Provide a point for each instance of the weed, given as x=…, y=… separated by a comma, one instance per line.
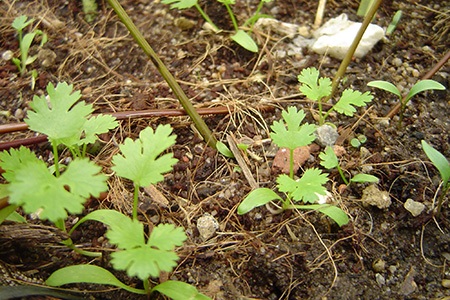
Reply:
x=442, y=164
x=25, y=41
x=420, y=86
x=358, y=141
x=240, y=36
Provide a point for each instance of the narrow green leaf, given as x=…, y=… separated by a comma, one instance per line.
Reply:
x=180, y=4
x=255, y=198
x=384, y=85
x=424, y=85
x=245, y=40
x=178, y=290
x=108, y=217
x=6, y=213
x=329, y=158
x=334, y=212
x=364, y=178
x=440, y=162
x=87, y=274
x=224, y=150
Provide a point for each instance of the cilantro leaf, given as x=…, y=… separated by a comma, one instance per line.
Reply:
x=38, y=191
x=306, y=188
x=180, y=4
x=139, y=161
x=126, y=233
x=59, y=118
x=13, y=160
x=329, y=158
x=295, y=135
x=97, y=125
x=166, y=237
x=312, y=86
x=144, y=262
x=351, y=98
x=145, y=259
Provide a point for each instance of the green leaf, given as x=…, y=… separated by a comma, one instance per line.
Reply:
x=180, y=4
x=108, y=217
x=224, y=150
x=178, y=290
x=59, y=119
x=295, y=135
x=97, y=125
x=139, y=161
x=352, y=98
x=364, y=178
x=335, y=213
x=439, y=161
x=244, y=40
x=424, y=85
x=144, y=262
x=88, y=274
x=306, y=188
x=127, y=234
x=387, y=86
x=13, y=160
x=255, y=198
x=38, y=191
x=227, y=2
x=313, y=87
x=166, y=237
x=21, y=22
x=329, y=158
x=6, y=212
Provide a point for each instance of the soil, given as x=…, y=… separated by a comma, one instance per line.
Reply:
x=381, y=254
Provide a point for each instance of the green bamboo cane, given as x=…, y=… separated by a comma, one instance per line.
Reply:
x=351, y=51
x=168, y=77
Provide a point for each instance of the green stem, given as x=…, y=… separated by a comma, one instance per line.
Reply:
x=291, y=163
x=321, y=116
x=349, y=55
x=342, y=174
x=69, y=243
x=56, y=158
x=146, y=286
x=233, y=18
x=441, y=198
x=206, y=17
x=253, y=18
x=168, y=77
x=135, y=201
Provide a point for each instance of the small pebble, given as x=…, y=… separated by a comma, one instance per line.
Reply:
x=414, y=207
x=379, y=265
x=207, y=226
x=7, y=55
x=446, y=283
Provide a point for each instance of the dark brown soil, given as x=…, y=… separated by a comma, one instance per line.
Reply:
x=293, y=255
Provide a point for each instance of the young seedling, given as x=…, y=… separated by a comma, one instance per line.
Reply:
x=25, y=41
x=420, y=86
x=45, y=191
x=142, y=162
x=316, y=89
x=330, y=161
x=442, y=164
x=291, y=134
x=395, y=20
x=358, y=141
x=240, y=36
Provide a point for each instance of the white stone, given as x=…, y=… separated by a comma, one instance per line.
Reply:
x=374, y=197
x=414, y=207
x=335, y=37
x=207, y=226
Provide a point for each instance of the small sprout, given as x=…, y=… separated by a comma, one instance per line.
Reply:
x=442, y=164
x=420, y=86
x=358, y=141
x=391, y=27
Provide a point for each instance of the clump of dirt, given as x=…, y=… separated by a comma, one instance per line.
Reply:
x=381, y=254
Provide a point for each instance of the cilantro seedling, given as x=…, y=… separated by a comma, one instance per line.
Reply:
x=139, y=160
x=442, y=164
x=316, y=89
x=420, y=86
x=330, y=161
x=291, y=134
x=241, y=37
x=25, y=41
